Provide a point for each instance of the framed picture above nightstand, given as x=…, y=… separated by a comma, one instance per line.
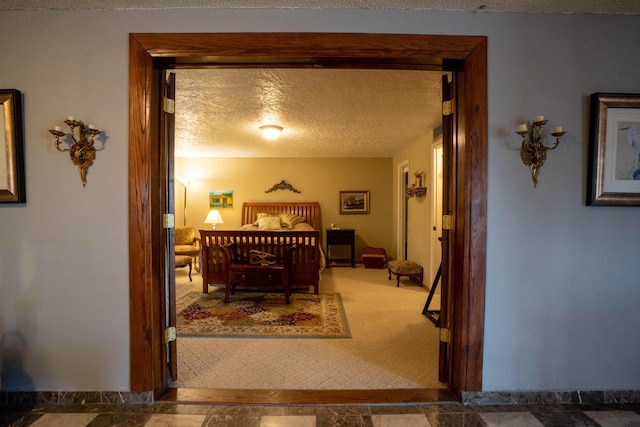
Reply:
x=354, y=202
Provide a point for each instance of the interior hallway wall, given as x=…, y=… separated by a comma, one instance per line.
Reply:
x=561, y=295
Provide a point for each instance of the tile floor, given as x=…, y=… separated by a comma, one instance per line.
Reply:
x=432, y=415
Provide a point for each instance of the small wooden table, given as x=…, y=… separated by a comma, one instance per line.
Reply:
x=344, y=237
x=257, y=275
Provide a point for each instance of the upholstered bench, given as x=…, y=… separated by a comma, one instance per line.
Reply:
x=410, y=269
x=183, y=261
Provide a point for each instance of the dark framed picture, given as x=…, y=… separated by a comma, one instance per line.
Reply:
x=614, y=150
x=354, y=202
x=12, y=186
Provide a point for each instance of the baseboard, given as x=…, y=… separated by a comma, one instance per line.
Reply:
x=550, y=397
x=29, y=398
x=26, y=398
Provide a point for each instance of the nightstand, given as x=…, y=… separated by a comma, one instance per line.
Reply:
x=345, y=237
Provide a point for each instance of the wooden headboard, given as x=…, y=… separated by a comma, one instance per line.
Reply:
x=309, y=210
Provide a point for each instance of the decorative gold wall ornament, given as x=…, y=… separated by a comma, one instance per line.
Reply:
x=82, y=151
x=533, y=152
x=414, y=191
x=282, y=185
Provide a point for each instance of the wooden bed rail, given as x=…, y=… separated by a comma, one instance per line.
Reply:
x=305, y=268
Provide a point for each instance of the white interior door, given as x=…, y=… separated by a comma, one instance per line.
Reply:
x=436, y=202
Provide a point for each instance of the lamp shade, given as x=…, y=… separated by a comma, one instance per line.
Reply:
x=213, y=218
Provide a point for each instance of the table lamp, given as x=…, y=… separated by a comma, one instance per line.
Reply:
x=213, y=218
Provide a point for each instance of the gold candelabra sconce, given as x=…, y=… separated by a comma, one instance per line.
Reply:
x=418, y=189
x=533, y=152
x=82, y=151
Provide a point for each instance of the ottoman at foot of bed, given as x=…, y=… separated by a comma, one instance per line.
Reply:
x=406, y=268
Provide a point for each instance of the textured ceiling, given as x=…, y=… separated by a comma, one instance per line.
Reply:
x=533, y=6
x=324, y=112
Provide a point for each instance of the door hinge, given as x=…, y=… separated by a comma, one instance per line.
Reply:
x=448, y=107
x=169, y=334
x=445, y=335
x=447, y=222
x=168, y=105
x=168, y=220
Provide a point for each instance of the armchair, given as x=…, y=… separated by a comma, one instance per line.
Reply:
x=186, y=243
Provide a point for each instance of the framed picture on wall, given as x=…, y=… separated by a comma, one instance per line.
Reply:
x=614, y=150
x=354, y=202
x=12, y=182
x=221, y=199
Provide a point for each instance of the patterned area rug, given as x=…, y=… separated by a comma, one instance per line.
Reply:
x=261, y=315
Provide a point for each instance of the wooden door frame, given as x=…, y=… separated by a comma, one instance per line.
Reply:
x=149, y=53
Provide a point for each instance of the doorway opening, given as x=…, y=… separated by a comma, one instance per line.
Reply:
x=465, y=55
x=403, y=210
x=209, y=118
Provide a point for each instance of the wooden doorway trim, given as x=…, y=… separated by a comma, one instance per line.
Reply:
x=150, y=53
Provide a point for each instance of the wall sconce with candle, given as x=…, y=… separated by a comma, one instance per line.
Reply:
x=533, y=152
x=82, y=151
x=417, y=189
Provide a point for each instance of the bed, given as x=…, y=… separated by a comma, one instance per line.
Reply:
x=260, y=231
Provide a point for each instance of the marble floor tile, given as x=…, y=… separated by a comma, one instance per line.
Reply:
x=119, y=420
x=67, y=420
x=288, y=421
x=177, y=420
x=565, y=419
x=511, y=419
x=185, y=415
x=400, y=420
x=615, y=418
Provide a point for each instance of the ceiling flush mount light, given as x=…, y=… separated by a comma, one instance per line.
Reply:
x=271, y=131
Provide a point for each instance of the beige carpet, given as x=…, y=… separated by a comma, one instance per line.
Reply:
x=392, y=346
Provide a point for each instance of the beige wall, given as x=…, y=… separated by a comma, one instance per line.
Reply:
x=420, y=221
x=318, y=179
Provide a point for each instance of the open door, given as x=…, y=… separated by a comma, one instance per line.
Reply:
x=167, y=132
x=448, y=199
x=436, y=197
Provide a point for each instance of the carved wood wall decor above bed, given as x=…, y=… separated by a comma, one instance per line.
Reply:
x=282, y=185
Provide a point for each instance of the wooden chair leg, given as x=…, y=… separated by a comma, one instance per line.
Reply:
x=227, y=291
x=287, y=287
